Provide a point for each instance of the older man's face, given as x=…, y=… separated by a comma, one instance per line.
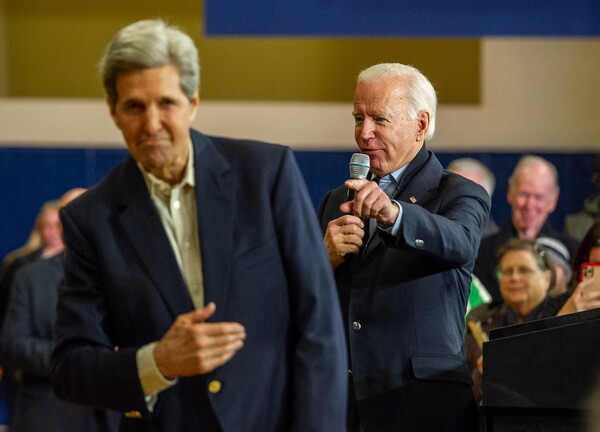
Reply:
x=533, y=196
x=383, y=129
x=154, y=116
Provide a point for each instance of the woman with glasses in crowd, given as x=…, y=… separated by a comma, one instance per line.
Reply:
x=525, y=275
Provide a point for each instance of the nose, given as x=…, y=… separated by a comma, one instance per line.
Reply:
x=528, y=201
x=152, y=120
x=364, y=130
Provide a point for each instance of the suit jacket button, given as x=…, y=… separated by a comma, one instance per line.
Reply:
x=419, y=243
x=356, y=326
x=214, y=386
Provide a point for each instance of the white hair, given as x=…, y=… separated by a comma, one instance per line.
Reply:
x=420, y=93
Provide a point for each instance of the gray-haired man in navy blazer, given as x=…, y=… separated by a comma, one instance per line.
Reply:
x=197, y=292
x=403, y=250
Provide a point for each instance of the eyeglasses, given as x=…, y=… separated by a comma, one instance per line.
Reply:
x=518, y=271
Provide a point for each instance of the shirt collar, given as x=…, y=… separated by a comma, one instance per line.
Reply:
x=536, y=313
x=155, y=184
x=396, y=174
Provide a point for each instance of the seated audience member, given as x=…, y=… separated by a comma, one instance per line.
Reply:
x=533, y=194
x=478, y=172
x=525, y=274
x=28, y=336
x=576, y=225
x=580, y=297
x=561, y=259
x=28, y=252
x=41, y=241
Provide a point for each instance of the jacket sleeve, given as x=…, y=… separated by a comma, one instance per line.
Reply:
x=87, y=367
x=449, y=226
x=320, y=363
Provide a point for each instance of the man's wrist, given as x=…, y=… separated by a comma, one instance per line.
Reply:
x=387, y=225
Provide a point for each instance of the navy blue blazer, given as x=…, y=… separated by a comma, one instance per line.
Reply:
x=264, y=266
x=404, y=300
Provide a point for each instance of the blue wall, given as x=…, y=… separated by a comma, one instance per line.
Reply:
x=413, y=18
x=31, y=176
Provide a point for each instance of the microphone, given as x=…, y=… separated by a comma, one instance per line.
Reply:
x=360, y=164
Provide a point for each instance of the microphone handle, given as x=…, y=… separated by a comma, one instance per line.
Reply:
x=350, y=193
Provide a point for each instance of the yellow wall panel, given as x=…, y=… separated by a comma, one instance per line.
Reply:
x=54, y=46
x=305, y=69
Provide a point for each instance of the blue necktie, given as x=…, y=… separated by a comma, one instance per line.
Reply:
x=388, y=184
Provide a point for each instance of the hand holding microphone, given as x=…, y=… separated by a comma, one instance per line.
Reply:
x=344, y=235
x=360, y=164
x=372, y=202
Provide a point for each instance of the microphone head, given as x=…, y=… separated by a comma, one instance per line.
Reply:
x=360, y=164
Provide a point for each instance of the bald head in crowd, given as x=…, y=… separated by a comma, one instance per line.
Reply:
x=532, y=193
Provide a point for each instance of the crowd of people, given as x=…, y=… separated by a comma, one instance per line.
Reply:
x=189, y=291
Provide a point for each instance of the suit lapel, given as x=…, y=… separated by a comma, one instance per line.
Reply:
x=140, y=224
x=215, y=196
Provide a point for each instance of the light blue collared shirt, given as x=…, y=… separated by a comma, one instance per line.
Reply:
x=384, y=183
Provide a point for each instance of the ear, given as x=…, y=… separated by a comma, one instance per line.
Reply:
x=553, y=201
x=423, y=125
x=194, y=102
x=549, y=279
x=509, y=195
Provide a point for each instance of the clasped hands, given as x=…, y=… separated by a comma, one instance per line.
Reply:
x=192, y=346
x=345, y=234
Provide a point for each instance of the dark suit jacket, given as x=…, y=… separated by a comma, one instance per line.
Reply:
x=26, y=345
x=7, y=273
x=264, y=266
x=485, y=266
x=404, y=301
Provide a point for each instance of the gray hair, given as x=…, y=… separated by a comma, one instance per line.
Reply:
x=532, y=160
x=419, y=91
x=538, y=252
x=148, y=44
x=470, y=164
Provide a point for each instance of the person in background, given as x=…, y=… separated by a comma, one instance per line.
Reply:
x=561, y=260
x=197, y=292
x=581, y=296
x=532, y=194
x=27, y=339
x=577, y=224
x=478, y=172
x=30, y=251
x=525, y=275
x=43, y=241
x=404, y=290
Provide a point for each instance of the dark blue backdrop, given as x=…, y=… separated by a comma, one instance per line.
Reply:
x=31, y=176
x=412, y=18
